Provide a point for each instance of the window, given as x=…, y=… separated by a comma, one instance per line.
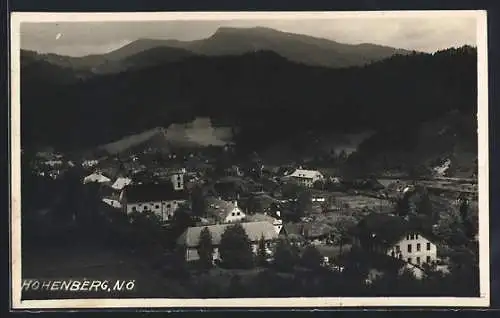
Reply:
x=134, y=209
x=409, y=259
x=400, y=256
x=178, y=177
x=409, y=248
x=408, y=237
x=398, y=248
x=157, y=206
x=428, y=259
x=232, y=214
x=428, y=246
x=169, y=206
x=418, y=247
x=392, y=254
x=416, y=236
x=237, y=213
x=418, y=260
x=178, y=184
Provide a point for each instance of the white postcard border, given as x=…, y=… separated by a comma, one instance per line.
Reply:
x=483, y=172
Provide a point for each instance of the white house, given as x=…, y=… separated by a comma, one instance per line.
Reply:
x=113, y=203
x=306, y=177
x=225, y=211
x=96, y=177
x=414, y=248
x=177, y=178
x=189, y=240
x=121, y=183
x=395, y=237
x=161, y=199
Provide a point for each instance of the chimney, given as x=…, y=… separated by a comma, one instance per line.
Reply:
x=235, y=203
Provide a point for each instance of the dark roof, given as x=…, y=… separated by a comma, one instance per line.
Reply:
x=292, y=228
x=316, y=229
x=153, y=192
x=386, y=229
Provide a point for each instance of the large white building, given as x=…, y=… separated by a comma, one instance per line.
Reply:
x=161, y=199
x=189, y=240
x=393, y=236
x=414, y=248
x=306, y=178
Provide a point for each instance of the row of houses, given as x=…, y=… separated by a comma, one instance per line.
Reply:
x=381, y=234
x=387, y=236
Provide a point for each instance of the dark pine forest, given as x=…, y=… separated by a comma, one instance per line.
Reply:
x=263, y=94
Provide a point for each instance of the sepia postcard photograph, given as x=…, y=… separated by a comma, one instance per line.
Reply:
x=249, y=159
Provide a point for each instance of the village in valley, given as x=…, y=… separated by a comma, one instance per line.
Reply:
x=250, y=158
x=216, y=225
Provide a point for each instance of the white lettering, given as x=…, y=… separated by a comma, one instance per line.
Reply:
x=46, y=285
x=75, y=285
x=104, y=285
x=95, y=285
x=85, y=285
x=26, y=284
x=130, y=285
x=35, y=285
x=65, y=284
x=118, y=286
x=56, y=285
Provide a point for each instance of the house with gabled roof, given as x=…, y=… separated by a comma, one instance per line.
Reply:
x=160, y=198
x=306, y=178
x=224, y=211
x=96, y=177
x=395, y=237
x=259, y=217
x=189, y=240
x=120, y=183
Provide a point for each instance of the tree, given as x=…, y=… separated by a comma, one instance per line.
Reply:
x=341, y=230
x=451, y=229
x=304, y=203
x=319, y=185
x=285, y=256
x=235, y=248
x=205, y=248
x=146, y=232
x=403, y=205
x=182, y=219
x=424, y=206
x=311, y=258
x=198, y=201
x=262, y=252
x=291, y=190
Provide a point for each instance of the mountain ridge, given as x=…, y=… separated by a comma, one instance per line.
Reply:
x=300, y=48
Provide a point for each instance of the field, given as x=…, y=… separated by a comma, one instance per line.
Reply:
x=361, y=202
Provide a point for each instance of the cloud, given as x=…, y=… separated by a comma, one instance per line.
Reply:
x=423, y=34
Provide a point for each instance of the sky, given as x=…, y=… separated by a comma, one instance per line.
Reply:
x=425, y=34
